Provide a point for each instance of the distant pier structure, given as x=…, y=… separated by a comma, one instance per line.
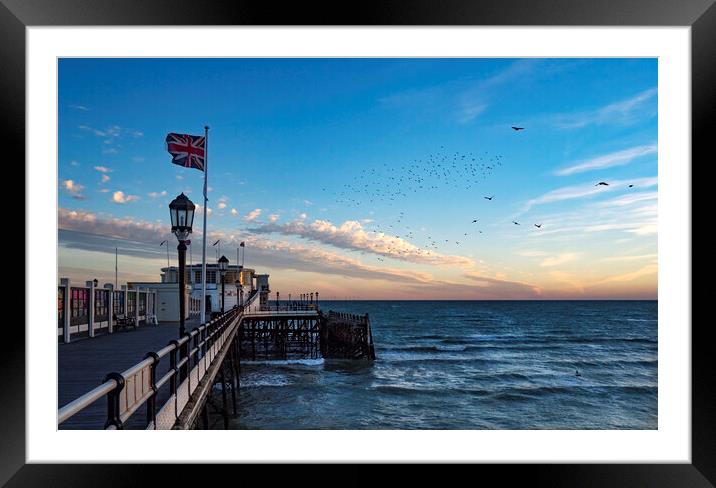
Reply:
x=197, y=377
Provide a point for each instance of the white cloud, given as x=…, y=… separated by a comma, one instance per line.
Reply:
x=622, y=112
x=120, y=197
x=95, y=230
x=155, y=194
x=79, y=107
x=105, y=178
x=251, y=216
x=273, y=217
x=638, y=257
x=560, y=259
x=234, y=211
x=352, y=235
x=609, y=160
x=73, y=188
x=586, y=190
x=648, y=270
x=221, y=205
x=103, y=169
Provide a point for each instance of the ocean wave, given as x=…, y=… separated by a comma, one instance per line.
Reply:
x=263, y=382
x=286, y=362
x=605, y=362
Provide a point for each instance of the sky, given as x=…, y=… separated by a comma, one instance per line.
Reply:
x=367, y=178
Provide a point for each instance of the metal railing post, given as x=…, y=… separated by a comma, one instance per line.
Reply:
x=184, y=354
x=152, y=400
x=113, y=416
x=173, y=383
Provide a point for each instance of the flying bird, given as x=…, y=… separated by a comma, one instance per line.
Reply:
x=602, y=183
x=631, y=186
x=516, y=223
x=539, y=226
x=490, y=198
x=474, y=221
x=518, y=128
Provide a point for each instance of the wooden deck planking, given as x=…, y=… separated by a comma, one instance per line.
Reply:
x=83, y=365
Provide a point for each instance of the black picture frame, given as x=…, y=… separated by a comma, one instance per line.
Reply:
x=700, y=15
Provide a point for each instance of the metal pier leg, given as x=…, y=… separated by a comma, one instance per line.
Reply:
x=234, y=379
x=224, y=411
x=205, y=417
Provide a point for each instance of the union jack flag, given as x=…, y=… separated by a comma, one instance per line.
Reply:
x=188, y=151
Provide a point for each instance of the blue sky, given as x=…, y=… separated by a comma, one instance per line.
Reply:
x=288, y=135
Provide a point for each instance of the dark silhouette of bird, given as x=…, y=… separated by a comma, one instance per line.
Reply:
x=516, y=223
x=631, y=186
x=539, y=226
x=602, y=183
x=490, y=198
x=518, y=128
x=474, y=221
x=576, y=373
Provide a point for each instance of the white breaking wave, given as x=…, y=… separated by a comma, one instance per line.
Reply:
x=280, y=362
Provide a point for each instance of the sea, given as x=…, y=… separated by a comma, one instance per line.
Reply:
x=471, y=365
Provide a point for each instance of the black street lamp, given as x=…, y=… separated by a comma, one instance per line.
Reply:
x=181, y=210
x=277, y=301
x=316, y=299
x=223, y=266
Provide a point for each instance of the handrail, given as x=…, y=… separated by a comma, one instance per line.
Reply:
x=85, y=400
x=124, y=402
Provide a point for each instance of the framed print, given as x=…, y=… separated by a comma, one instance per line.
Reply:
x=419, y=234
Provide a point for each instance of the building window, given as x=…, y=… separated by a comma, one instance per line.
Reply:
x=100, y=304
x=79, y=300
x=197, y=276
x=211, y=276
x=118, y=302
x=131, y=302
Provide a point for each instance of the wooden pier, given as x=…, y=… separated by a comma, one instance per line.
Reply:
x=175, y=385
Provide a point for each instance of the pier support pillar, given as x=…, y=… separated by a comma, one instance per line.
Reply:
x=90, y=311
x=65, y=282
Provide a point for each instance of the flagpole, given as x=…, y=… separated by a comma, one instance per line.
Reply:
x=203, y=237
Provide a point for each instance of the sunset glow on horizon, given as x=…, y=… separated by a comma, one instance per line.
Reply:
x=372, y=179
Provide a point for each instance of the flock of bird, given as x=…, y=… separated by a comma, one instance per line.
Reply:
x=389, y=185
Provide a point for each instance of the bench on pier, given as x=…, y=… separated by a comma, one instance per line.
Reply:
x=124, y=321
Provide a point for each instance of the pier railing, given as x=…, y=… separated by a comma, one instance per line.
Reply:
x=190, y=357
x=86, y=311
